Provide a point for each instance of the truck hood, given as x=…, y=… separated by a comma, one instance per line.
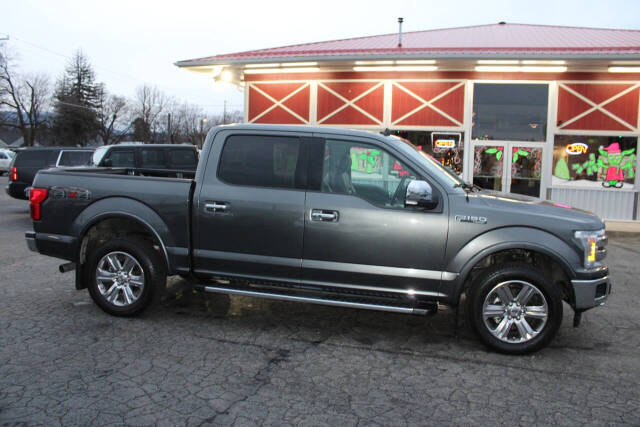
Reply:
x=533, y=211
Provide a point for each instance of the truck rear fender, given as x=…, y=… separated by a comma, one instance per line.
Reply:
x=504, y=240
x=149, y=221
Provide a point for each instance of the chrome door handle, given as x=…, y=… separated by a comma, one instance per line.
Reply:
x=324, y=215
x=216, y=207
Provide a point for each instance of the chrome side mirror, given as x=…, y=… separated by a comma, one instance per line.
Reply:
x=420, y=195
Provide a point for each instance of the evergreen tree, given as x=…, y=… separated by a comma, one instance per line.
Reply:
x=141, y=131
x=76, y=103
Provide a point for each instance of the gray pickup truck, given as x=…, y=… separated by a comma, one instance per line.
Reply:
x=326, y=216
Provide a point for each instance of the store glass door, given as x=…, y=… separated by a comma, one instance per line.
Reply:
x=524, y=174
x=509, y=167
x=488, y=166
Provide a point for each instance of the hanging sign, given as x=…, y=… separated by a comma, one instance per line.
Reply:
x=444, y=144
x=444, y=140
x=576, y=148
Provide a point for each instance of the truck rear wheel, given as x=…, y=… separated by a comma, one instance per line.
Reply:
x=514, y=308
x=125, y=274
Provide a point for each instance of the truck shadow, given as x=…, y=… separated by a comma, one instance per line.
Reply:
x=352, y=327
x=312, y=322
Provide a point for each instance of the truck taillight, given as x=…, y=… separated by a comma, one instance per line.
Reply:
x=36, y=197
x=14, y=174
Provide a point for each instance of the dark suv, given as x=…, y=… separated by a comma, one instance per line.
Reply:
x=29, y=161
x=179, y=161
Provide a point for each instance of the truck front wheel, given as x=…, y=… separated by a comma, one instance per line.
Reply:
x=125, y=274
x=514, y=308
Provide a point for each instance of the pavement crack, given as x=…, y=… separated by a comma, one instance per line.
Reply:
x=262, y=378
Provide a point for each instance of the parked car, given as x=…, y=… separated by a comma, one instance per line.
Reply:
x=28, y=161
x=6, y=156
x=150, y=159
x=318, y=215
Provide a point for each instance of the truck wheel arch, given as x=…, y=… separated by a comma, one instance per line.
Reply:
x=497, y=242
x=146, y=220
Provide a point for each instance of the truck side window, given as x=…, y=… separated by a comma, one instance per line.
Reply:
x=122, y=159
x=260, y=161
x=183, y=159
x=74, y=158
x=32, y=158
x=153, y=158
x=365, y=171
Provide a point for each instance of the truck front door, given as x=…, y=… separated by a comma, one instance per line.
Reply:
x=358, y=233
x=249, y=217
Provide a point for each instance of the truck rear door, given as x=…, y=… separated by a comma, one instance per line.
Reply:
x=249, y=215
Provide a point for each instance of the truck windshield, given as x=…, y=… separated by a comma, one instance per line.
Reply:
x=427, y=161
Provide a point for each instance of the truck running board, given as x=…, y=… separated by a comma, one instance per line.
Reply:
x=315, y=300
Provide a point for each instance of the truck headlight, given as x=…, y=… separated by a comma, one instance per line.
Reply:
x=592, y=242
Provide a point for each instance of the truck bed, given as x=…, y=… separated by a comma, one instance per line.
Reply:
x=160, y=202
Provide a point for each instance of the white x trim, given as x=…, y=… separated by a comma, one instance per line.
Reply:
x=279, y=103
x=350, y=103
x=429, y=103
x=598, y=107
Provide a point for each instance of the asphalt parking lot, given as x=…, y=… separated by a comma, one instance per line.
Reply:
x=194, y=359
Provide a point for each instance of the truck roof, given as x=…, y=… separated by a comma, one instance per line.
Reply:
x=137, y=144
x=297, y=128
x=55, y=147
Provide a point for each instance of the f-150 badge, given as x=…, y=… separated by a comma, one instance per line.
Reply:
x=471, y=219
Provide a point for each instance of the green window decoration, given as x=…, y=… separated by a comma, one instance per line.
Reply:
x=594, y=161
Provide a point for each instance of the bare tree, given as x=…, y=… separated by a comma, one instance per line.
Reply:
x=148, y=106
x=191, y=123
x=26, y=96
x=235, y=116
x=113, y=119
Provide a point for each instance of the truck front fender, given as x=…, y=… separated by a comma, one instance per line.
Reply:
x=502, y=239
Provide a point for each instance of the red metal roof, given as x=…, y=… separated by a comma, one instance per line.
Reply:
x=475, y=41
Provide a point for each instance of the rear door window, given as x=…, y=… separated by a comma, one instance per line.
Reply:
x=122, y=159
x=74, y=158
x=183, y=159
x=260, y=161
x=153, y=158
x=3, y=156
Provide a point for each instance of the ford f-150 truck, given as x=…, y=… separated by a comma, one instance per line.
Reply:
x=327, y=216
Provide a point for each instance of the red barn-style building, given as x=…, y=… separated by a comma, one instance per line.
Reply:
x=551, y=112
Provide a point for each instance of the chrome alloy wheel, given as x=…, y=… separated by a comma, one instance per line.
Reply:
x=120, y=278
x=515, y=311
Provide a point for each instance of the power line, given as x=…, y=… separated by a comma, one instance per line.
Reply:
x=128, y=76
x=70, y=57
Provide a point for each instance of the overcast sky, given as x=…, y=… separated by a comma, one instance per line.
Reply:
x=133, y=42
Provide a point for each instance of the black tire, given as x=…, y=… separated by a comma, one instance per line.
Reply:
x=149, y=261
x=522, y=274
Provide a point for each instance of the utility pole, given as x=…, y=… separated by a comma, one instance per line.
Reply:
x=169, y=128
x=224, y=113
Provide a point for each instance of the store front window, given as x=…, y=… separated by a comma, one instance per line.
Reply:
x=446, y=147
x=510, y=112
x=594, y=161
